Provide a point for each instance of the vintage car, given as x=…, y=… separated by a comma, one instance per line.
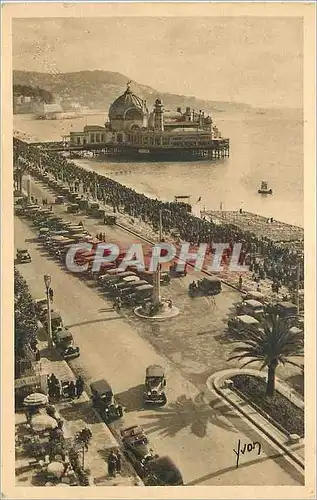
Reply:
x=142, y=294
x=209, y=285
x=124, y=282
x=155, y=383
x=162, y=471
x=23, y=256
x=149, y=276
x=59, y=200
x=241, y=324
x=110, y=220
x=254, y=295
x=64, y=342
x=286, y=309
x=104, y=401
x=72, y=208
x=40, y=306
x=43, y=232
x=251, y=307
x=136, y=446
x=56, y=320
x=132, y=287
x=116, y=279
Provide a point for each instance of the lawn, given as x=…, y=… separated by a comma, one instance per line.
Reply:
x=279, y=408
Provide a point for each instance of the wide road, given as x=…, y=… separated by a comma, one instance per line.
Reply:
x=197, y=430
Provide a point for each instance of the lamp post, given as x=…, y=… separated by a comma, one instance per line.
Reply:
x=157, y=274
x=47, y=281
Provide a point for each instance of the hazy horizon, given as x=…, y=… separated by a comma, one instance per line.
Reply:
x=257, y=61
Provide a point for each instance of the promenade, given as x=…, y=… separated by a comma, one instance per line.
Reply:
x=190, y=348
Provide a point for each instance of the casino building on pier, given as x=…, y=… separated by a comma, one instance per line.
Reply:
x=132, y=130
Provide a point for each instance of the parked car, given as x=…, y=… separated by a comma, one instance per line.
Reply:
x=162, y=471
x=251, y=307
x=64, y=342
x=23, y=256
x=104, y=401
x=241, y=323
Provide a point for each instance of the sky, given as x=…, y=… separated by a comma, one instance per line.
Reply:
x=255, y=60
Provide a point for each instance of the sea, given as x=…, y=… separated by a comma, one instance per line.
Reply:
x=265, y=145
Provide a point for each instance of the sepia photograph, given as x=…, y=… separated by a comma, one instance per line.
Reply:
x=159, y=294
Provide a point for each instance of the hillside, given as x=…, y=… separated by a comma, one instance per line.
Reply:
x=98, y=89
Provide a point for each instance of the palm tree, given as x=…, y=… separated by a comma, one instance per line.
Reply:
x=272, y=344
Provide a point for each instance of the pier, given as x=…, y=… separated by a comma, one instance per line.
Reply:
x=215, y=149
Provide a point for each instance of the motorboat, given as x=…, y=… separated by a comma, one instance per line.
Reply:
x=264, y=188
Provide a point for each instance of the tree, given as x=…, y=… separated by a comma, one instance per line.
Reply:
x=272, y=344
x=25, y=320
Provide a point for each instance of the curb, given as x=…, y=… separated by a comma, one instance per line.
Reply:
x=212, y=385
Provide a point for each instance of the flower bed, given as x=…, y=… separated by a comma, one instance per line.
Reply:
x=279, y=408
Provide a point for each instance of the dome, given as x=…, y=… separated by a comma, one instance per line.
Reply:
x=173, y=115
x=127, y=102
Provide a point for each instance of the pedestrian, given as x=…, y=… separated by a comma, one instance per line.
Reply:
x=104, y=237
x=71, y=390
x=37, y=356
x=79, y=386
x=51, y=208
x=51, y=294
x=118, y=304
x=240, y=282
x=57, y=389
x=258, y=288
x=118, y=461
x=112, y=464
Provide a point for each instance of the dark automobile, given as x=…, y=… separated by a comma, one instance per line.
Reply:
x=286, y=309
x=23, y=256
x=136, y=446
x=64, y=342
x=141, y=294
x=104, y=401
x=162, y=471
x=155, y=383
x=209, y=285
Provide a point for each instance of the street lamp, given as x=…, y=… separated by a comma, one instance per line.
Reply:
x=47, y=281
x=157, y=274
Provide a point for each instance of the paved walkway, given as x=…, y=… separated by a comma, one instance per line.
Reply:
x=189, y=425
x=78, y=414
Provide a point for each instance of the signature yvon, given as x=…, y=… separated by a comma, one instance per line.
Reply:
x=255, y=445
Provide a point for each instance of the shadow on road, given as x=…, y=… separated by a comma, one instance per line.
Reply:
x=132, y=399
x=185, y=412
x=278, y=457
x=91, y=322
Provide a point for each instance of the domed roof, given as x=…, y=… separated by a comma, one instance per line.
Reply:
x=126, y=101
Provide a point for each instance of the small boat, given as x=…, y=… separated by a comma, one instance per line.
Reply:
x=264, y=189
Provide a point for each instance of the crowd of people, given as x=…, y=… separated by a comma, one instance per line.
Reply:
x=266, y=259
x=70, y=389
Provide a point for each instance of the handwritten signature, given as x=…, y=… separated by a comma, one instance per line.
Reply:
x=249, y=447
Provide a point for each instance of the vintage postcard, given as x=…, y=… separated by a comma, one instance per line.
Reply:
x=158, y=243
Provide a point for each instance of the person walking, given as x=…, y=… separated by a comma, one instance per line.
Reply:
x=112, y=464
x=118, y=461
x=51, y=294
x=79, y=386
x=71, y=390
x=240, y=282
x=117, y=304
